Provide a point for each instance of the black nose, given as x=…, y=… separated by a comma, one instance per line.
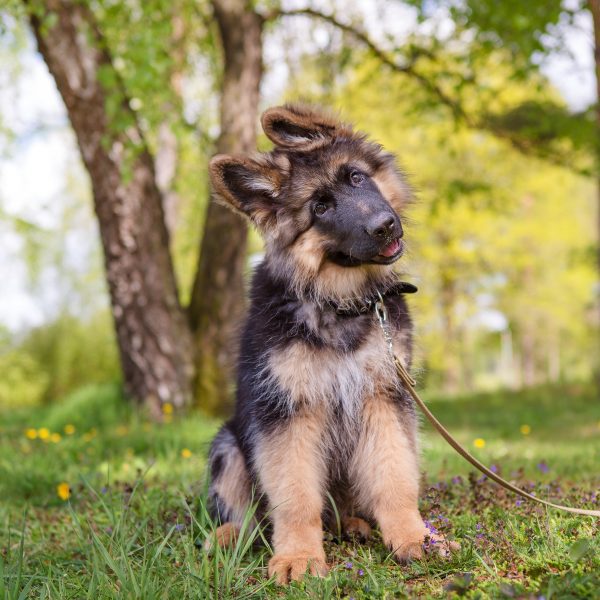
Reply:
x=381, y=225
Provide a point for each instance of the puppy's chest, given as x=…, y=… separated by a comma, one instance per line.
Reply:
x=330, y=378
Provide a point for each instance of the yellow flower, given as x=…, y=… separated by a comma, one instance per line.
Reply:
x=31, y=433
x=43, y=433
x=186, y=453
x=63, y=490
x=69, y=429
x=167, y=408
x=55, y=437
x=122, y=430
x=90, y=435
x=479, y=443
x=525, y=429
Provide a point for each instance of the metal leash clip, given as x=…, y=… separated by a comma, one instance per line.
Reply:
x=382, y=317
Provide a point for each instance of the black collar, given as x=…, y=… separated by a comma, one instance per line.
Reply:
x=360, y=306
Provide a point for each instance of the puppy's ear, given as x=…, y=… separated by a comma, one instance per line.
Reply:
x=248, y=185
x=299, y=127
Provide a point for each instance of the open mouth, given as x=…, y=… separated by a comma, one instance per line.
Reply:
x=386, y=256
x=392, y=251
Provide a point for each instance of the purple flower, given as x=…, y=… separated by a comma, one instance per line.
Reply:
x=518, y=502
x=493, y=468
x=543, y=467
x=179, y=527
x=103, y=489
x=360, y=572
x=349, y=565
x=478, y=527
x=457, y=480
x=430, y=526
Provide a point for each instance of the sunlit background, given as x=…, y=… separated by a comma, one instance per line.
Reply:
x=501, y=239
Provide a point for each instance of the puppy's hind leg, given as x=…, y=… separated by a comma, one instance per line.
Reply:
x=355, y=527
x=230, y=491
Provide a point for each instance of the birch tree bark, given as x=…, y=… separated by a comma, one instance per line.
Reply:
x=152, y=332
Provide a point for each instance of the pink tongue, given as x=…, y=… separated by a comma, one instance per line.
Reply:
x=391, y=249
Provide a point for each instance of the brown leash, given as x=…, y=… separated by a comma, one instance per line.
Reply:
x=409, y=384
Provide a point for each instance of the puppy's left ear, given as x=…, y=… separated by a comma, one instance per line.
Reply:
x=300, y=128
x=249, y=186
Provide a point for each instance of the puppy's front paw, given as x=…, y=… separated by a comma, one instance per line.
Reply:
x=437, y=543
x=292, y=567
x=412, y=544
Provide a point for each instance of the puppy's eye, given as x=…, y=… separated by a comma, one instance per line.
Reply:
x=356, y=178
x=320, y=208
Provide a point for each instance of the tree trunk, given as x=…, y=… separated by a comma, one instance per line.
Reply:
x=529, y=348
x=218, y=292
x=595, y=10
x=528, y=358
x=152, y=332
x=452, y=366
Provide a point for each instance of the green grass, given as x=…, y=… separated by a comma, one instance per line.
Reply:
x=135, y=521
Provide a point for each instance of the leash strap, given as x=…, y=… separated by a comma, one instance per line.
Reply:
x=409, y=384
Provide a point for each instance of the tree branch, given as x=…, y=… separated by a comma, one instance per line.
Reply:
x=409, y=70
x=361, y=36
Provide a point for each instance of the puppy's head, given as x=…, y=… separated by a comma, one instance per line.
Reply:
x=326, y=200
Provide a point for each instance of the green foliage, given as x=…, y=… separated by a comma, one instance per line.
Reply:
x=525, y=29
x=55, y=359
x=24, y=382
x=136, y=518
x=89, y=407
x=547, y=129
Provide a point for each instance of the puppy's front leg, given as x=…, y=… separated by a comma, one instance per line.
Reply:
x=291, y=472
x=385, y=474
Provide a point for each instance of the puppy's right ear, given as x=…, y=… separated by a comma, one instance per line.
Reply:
x=250, y=186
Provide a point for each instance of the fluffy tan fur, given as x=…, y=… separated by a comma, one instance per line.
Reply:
x=392, y=187
x=292, y=471
x=224, y=536
x=356, y=527
x=312, y=377
x=385, y=473
x=234, y=486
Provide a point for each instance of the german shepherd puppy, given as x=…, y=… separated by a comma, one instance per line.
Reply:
x=320, y=412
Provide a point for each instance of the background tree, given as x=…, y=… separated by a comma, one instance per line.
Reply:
x=152, y=334
x=217, y=301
